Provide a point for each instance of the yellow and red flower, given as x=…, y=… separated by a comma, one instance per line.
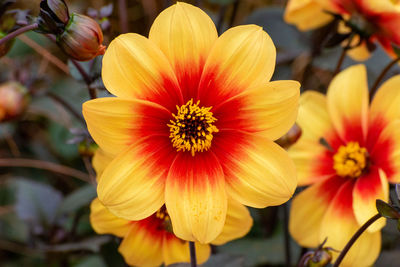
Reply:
x=151, y=242
x=193, y=123
x=348, y=153
x=380, y=19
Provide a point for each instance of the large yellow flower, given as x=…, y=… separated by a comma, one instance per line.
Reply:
x=193, y=123
x=348, y=153
x=150, y=242
x=380, y=19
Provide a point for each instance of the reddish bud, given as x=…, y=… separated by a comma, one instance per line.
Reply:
x=290, y=137
x=13, y=100
x=82, y=38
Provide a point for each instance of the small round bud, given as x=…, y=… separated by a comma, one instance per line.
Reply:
x=82, y=38
x=320, y=258
x=290, y=138
x=53, y=17
x=14, y=99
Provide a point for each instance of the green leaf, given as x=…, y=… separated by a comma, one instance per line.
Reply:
x=387, y=210
x=36, y=203
x=77, y=199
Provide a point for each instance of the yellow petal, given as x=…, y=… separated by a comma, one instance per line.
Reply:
x=367, y=190
x=116, y=123
x=237, y=224
x=270, y=109
x=360, y=52
x=315, y=124
x=347, y=100
x=176, y=250
x=185, y=34
x=386, y=102
x=386, y=152
x=258, y=172
x=195, y=197
x=243, y=57
x=132, y=186
x=100, y=161
x=308, y=209
x=141, y=247
x=134, y=67
x=104, y=222
x=306, y=14
x=339, y=225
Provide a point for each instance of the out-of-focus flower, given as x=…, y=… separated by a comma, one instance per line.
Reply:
x=193, y=123
x=348, y=153
x=4, y=48
x=14, y=99
x=7, y=22
x=150, y=241
x=82, y=38
x=373, y=20
x=79, y=36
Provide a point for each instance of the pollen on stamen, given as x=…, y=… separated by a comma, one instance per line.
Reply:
x=192, y=128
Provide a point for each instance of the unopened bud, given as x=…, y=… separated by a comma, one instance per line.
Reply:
x=290, y=137
x=14, y=99
x=320, y=258
x=53, y=16
x=82, y=39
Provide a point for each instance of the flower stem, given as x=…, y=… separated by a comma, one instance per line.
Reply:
x=21, y=30
x=67, y=106
x=193, y=262
x=354, y=239
x=382, y=75
x=286, y=235
x=86, y=78
x=343, y=55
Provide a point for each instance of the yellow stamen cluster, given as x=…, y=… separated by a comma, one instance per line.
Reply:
x=350, y=160
x=192, y=130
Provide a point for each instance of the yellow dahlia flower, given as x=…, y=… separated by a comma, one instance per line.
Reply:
x=150, y=241
x=378, y=18
x=193, y=123
x=348, y=154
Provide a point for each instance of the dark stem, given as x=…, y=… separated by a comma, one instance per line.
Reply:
x=88, y=80
x=354, y=239
x=234, y=12
x=21, y=30
x=193, y=262
x=288, y=259
x=343, y=55
x=381, y=76
x=67, y=106
x=221, y=16
x=123, y=16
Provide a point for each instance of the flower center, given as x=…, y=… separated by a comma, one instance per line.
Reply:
x=193, y=128
x=350, y=160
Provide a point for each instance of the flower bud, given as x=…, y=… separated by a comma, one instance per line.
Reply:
x=82, y=38
x=320, y=258
x=290, y=137
x=53, y=16
x=14, y=99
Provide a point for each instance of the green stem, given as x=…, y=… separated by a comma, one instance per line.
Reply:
x=20, y=31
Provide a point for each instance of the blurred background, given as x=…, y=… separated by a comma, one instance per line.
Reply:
x=46, y=177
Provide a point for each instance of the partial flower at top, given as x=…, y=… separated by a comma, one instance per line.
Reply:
x=193, y=123
x=378, y=20
x=348, y=152
x=151, y=242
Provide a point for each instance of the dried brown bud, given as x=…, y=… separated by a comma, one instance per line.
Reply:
x=14, y=99
x=290, y=137
x=53, y=17
x=82, y=38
